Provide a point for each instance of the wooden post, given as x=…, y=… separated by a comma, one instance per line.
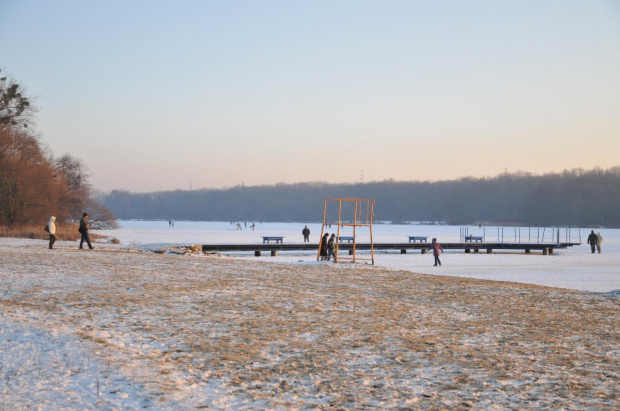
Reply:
x=257, y=253
x=274, y=253
x=403, y=251
x=489, y=250
x=423, y=251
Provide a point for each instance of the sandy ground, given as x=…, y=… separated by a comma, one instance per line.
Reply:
x=112, y=329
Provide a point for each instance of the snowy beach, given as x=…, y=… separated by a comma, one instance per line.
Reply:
x=115, y=329
x=124, y=328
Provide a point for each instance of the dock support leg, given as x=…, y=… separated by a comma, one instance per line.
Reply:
x=545, y=251
x=423, y=251
x=274, y=253
x=467, y=251
x=477, y=250
x=403, y=251
x=489, y=251
x=257, y=253
x=527, y=251
x=350, y=252
x=551, y=251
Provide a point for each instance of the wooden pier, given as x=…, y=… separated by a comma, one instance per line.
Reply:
x=467, y=247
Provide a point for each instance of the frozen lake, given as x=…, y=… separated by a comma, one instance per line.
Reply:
x=574, y=268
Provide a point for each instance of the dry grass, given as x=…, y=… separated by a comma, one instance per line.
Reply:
x=253, y=335
x=64, y=232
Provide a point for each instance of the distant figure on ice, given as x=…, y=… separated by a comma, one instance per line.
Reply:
x=592, y=240
x=331, y=248
x=599, y=241
x=306, y=233
x=238, y=226
x=253, y=226
x=51, y=227
x=437, y=249
x=170, y=223
x=323, y=247
x=84, y=227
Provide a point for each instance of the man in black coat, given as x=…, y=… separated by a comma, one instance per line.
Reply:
x=84, y=227
x=306, y=233
x=592, y=240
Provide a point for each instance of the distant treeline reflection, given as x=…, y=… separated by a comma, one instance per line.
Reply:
x=577, y=197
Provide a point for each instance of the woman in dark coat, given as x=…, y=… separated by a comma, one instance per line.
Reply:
x=323, y=250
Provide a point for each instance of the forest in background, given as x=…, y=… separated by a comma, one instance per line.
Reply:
x=584, y=198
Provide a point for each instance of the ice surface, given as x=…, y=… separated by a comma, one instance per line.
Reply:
x=575, y=268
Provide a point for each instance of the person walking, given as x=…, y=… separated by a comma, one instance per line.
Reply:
x=84, y=227
x=51, y=226
x=306, y=234
x=599, y=241
x=331, y=248
x=592, y=240
x=323, y=247
x=437, y=249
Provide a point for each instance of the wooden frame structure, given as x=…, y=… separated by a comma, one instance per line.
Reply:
x=351, y=215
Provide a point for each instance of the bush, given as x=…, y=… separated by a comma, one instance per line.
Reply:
x=64, y=232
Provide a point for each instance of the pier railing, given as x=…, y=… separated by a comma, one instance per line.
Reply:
x=523, y=235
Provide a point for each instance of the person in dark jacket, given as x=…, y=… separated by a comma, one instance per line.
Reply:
x=323, y=247
x=84, y=227
x=331, y=248
x=437, y=249
x=592, y=240
x=306, y=233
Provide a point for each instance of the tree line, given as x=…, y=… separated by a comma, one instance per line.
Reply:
x=576, y=197
x=35, y=184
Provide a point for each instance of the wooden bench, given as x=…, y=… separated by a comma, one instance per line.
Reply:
x=473, y=238
x=267, y=239
x=414, y=238
x=347, y=239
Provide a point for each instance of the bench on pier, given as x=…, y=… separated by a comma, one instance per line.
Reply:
x=473, y=238
x=267, y=239
x=414, y=238
x=347, y=239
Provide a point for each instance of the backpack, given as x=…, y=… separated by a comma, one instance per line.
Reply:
x=47, y=228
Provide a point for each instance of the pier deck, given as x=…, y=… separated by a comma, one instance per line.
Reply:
x=469, y=247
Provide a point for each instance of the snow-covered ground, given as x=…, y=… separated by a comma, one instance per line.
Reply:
x=575, y=268
x=116, y=329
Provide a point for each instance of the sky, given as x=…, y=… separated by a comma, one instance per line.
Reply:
x=164, y=95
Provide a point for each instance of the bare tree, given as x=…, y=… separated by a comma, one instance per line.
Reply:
x=15, y=107
x=26, y=178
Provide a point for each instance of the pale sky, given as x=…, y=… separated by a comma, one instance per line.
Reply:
x=157, y=95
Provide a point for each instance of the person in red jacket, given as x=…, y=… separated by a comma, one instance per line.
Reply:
x=436, y=247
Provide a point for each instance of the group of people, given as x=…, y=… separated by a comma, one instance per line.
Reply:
x=328, y=247
x=83, y=230
x=595, y=241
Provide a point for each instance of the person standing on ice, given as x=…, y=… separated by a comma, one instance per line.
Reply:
x=592, y=240
x=84, y=227
x=599, y=241
x=323, y=247
x=437, y=249
x=331, y=248
x=306, y=234
x=51, y=226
